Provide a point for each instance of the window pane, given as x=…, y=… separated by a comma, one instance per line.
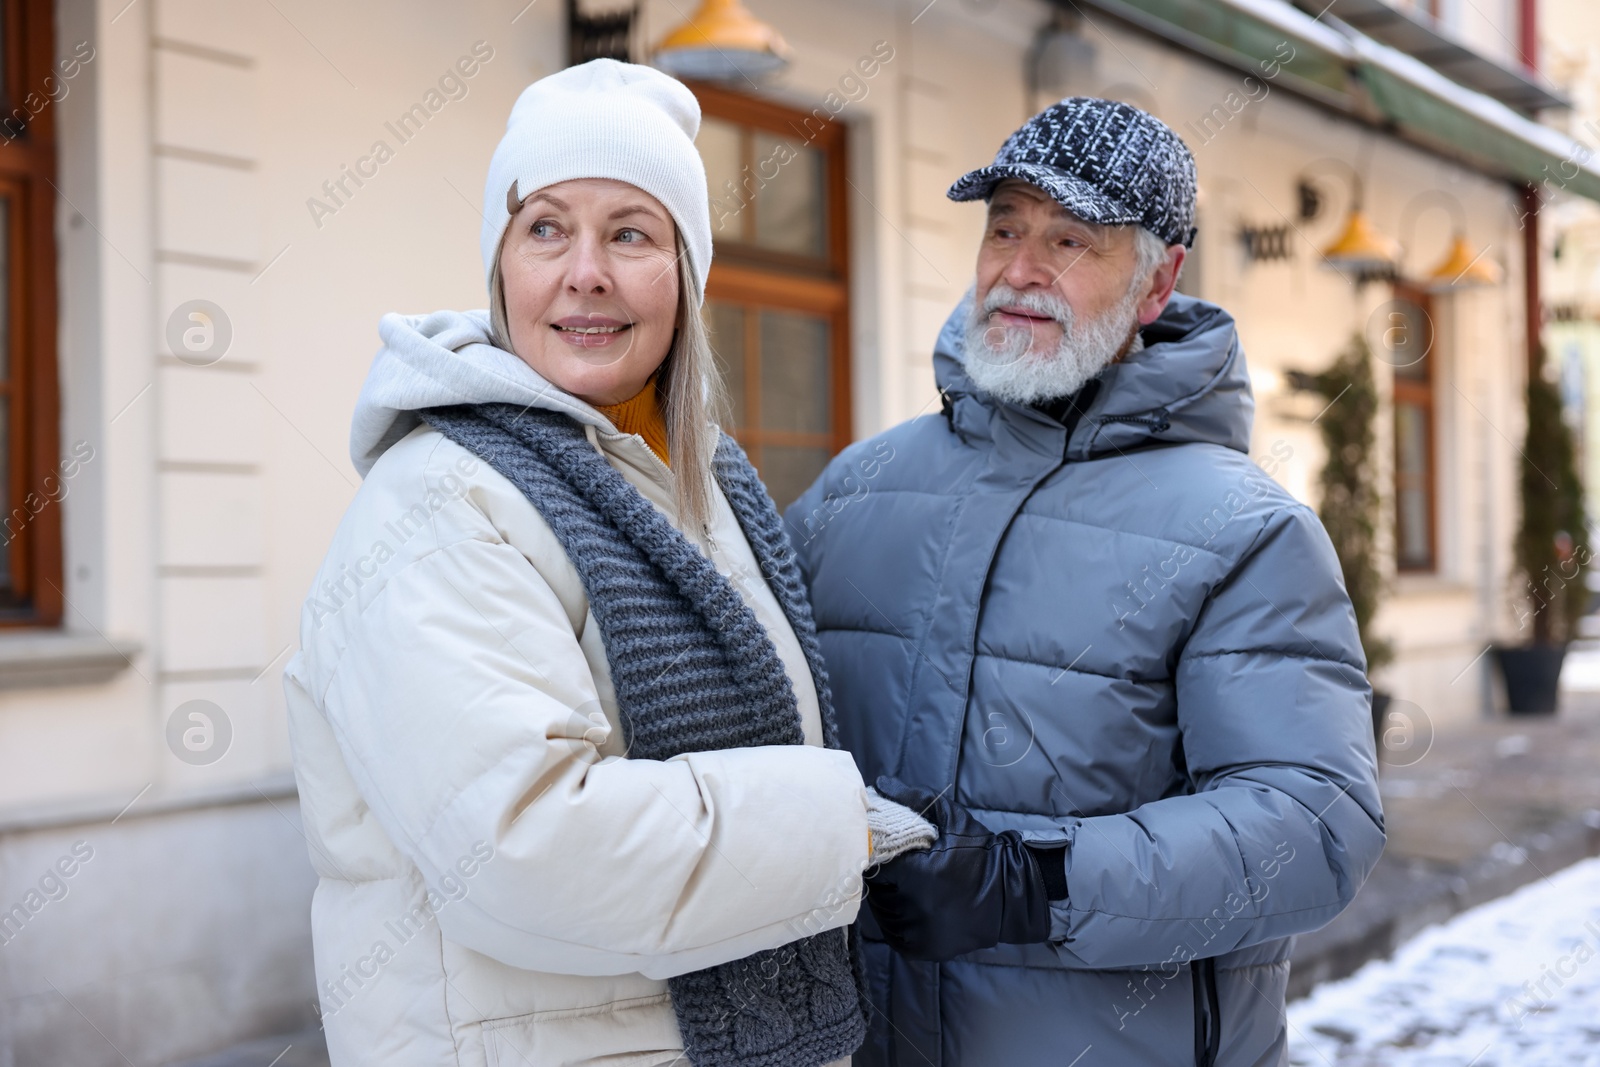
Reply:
x=5, y=287
x=726, y=325
x=1413, y=535
x=789, y=470
x=8, y=580
x=789, y=205
x=1414, y=528
x=718, y=142
x=795, y=386
x=1411, y=437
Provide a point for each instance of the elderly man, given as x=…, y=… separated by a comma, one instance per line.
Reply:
x=1070, y=620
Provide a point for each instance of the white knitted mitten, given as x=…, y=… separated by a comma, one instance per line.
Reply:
x=895, y=828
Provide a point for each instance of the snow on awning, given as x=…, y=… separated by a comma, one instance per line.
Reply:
x=1435, y=112
x=1342, y=68
x=1247, y=37
x=1417, y=33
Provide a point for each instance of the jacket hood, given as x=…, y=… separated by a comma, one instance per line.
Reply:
x=444, y=358
x=1188, y=384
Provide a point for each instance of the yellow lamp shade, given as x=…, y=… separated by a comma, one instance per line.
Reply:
x=1361, y=247
x=1463, y=268
x=722, y=41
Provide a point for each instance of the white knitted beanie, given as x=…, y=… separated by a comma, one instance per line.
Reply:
x=604, y=119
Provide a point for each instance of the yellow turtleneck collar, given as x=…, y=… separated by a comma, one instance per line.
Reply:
x=641, y=414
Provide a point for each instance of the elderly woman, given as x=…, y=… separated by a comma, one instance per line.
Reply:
x=566, y=754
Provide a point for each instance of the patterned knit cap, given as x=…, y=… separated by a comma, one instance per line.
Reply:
x=1104, y=161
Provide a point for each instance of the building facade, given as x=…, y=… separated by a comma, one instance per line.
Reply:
x=211, y=204
x=1570, y=246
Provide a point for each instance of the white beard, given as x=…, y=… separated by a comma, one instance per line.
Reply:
x=999, y=362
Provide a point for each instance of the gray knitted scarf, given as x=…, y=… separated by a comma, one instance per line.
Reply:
x=694, y=670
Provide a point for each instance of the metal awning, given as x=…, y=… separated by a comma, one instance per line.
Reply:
x=1430, y=110
x=1340, y=67
x=1320, y=69
x=1420, y=36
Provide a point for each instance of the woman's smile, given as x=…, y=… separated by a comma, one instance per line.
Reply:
x=590, y=331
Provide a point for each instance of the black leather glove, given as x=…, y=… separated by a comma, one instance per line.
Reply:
x=972, y=889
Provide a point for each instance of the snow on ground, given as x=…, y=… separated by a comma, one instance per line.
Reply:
x=1580, y=671
x=1512, y=982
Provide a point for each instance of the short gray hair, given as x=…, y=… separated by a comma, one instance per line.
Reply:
x=1151, y=252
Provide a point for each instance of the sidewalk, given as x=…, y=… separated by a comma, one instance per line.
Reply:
x=1507, y=982
x=1486, y=808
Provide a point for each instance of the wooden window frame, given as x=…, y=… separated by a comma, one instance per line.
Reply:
x=1420, y=393
x=32, y=540
x=748, y=275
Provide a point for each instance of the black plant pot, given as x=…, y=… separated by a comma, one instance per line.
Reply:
x=1380, y=710
x=1532, y=674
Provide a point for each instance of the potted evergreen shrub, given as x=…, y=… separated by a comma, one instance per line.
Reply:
x=1351, y=502
x=1549, y=558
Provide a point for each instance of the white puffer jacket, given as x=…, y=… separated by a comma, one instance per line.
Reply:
x=499, y=885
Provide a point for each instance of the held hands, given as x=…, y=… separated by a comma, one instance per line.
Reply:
x=894, y=828
x=971, y=889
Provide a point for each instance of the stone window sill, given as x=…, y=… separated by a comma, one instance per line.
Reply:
x=34, y=659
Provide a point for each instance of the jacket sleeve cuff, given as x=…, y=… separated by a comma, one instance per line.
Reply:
x=1053, y=865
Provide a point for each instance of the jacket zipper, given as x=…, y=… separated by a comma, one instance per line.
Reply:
x=1156, y=421
x=1207, y=1012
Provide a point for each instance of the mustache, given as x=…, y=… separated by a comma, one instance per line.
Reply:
x=1043, y=303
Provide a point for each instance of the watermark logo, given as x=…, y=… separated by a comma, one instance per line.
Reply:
x=52, y=90
x=51, y=887
x=1400, y=333
x=402, y=929
x=1211, y=124
x=1406, y=733
x=1537, y=996
x=199, y=732
x=1007, y=735
x=199, y=332
x=854, y=485
x=452, y=85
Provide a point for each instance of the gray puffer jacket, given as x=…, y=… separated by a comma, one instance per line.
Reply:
x=1129, y=640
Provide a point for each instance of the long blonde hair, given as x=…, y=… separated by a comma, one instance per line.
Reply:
x=688, y=382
